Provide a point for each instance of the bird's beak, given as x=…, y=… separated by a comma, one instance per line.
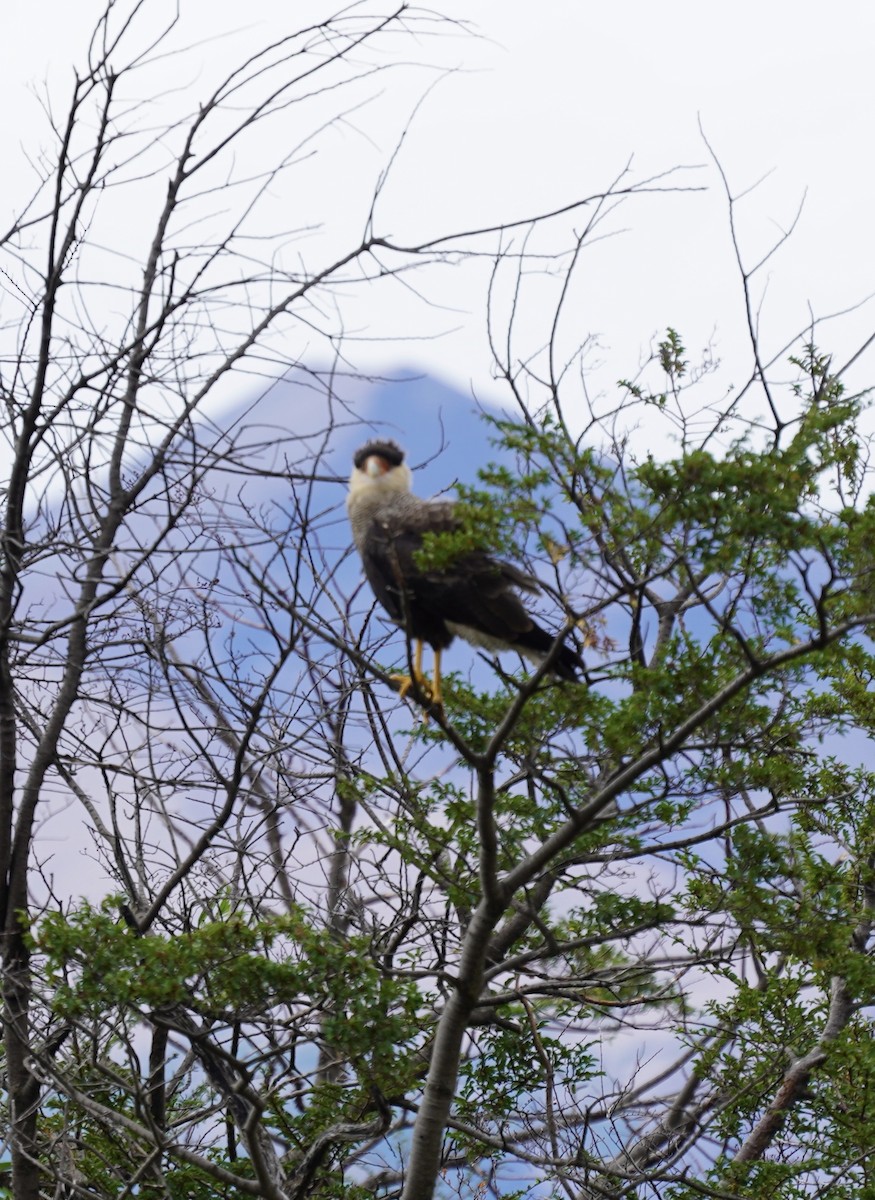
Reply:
x=375, y=466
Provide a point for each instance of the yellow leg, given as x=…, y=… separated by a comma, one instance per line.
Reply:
x=431, y=691
x=405, y=682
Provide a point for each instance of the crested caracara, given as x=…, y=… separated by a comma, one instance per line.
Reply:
x=476, y=597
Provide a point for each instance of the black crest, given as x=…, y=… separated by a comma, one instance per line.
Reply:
x=389, y=450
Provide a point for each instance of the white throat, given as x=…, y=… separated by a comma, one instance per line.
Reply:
x=371, y=489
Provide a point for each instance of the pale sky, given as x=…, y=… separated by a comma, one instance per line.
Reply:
x=541, y=110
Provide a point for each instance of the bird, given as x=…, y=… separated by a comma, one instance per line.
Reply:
x=475, y=597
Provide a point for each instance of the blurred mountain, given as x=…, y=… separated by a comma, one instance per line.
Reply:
x=443, y=431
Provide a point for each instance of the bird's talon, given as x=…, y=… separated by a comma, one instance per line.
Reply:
x=430, y=696
x=404, y=684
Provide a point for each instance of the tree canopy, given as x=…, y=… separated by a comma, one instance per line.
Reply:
x=598, y=939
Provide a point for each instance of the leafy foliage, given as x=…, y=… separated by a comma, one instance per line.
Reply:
x=601, y=939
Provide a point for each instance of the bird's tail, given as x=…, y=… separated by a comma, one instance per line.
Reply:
x=537, y=643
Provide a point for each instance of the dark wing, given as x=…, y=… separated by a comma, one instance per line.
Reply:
x=388, y=555
x=475, y=592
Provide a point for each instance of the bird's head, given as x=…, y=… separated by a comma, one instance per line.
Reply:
x=379, y=469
